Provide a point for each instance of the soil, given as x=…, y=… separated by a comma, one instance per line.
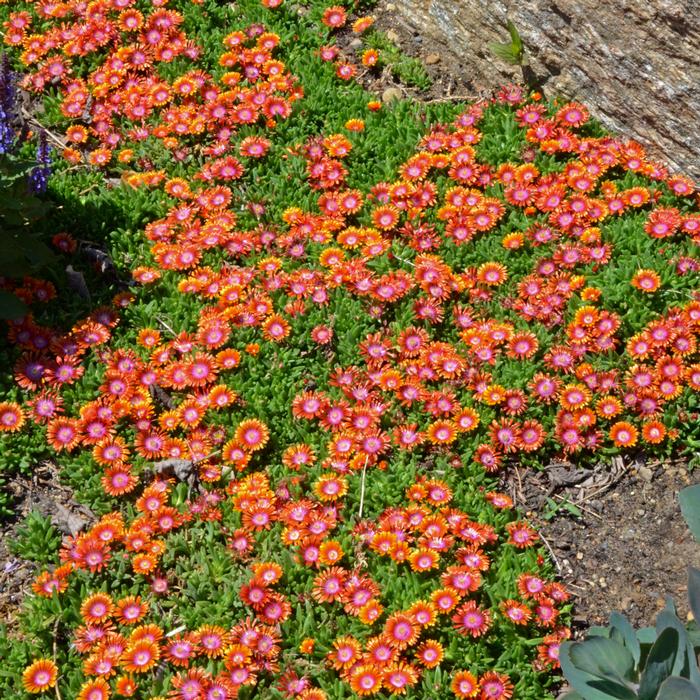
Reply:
x=630, y=546
x=44, y=493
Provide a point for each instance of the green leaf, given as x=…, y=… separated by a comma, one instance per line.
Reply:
x=676, y=688
x=694, y=592
x=588, y=685
x=603, y=657
x=660, y=661
x=11, y=307
x=621, y=627
x=511, y=52
x=689, y=498
x=646, y=636
x=668, y=618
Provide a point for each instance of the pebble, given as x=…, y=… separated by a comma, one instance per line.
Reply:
x=602, y=582
x=392, y=36
x=390, y=7
x=646, y=473
x=579, y=555
x=432, y=58
x=356, y=44
x=391, y=95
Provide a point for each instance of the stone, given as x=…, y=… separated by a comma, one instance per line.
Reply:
x=432, y=58
x=391, y=95
x=392, y=36
x=634, y=63
x=356, y=44
x=645, y=473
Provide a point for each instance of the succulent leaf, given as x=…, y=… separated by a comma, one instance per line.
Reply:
x=689, y=498
x=622, y=631
x=660, y=663
x=676, y=688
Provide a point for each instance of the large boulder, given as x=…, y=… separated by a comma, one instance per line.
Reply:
x=635, y=63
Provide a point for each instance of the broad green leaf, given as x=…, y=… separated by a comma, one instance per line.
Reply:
x=585, y=683
x=676, y=688
x=665, y=619
x=621, y=626
x=660, y=661
x=694, y=592
x=689, y=498
x=603, y=657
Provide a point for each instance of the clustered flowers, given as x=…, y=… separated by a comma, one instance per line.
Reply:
x=497, y=334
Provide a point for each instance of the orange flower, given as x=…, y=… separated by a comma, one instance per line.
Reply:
x=40, y=676
x=646, y=281
x=96, y=608
x=653, y=432
x=252, y=435
x=623, y=434
x=464, y=685
x=334, y=17
x=430, y=653
x=97, y=689
x=365, y=679
x=11, y=417
x=140, y=657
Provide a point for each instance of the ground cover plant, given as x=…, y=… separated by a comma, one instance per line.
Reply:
x=301, y=335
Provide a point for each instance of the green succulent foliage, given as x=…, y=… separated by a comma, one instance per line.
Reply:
x=513, y=51
x=37, y=539
x=653, y=663
x=22, y=250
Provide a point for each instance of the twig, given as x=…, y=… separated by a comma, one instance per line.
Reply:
x=578, y=504
x=403, y=260
x=551, y=552
x=362, y=487
x=31, y=119
x=521, y=495
x=166, y=326
x=451, y=98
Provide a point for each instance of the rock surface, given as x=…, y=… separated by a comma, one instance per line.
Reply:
x=635, y=63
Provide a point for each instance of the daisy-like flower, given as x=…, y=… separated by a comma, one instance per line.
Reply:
x=492, y=274
x=516, y=612
x=424, y=559
x=464, y=685
x=646, y=281
x=329, y=585
x=495, y=686
x=623, y=434
x=441, y=432
x=401, y=630
x=252, y=435
x=97, y=689
x=365, y=679
x=399, y=676
x=345, y=653
x=11, y=417
x=96, y=608
x=470, y=620
x=653, y=432
x=430, y=653
x=40, y=676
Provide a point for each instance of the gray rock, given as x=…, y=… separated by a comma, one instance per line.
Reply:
x=645, y=473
